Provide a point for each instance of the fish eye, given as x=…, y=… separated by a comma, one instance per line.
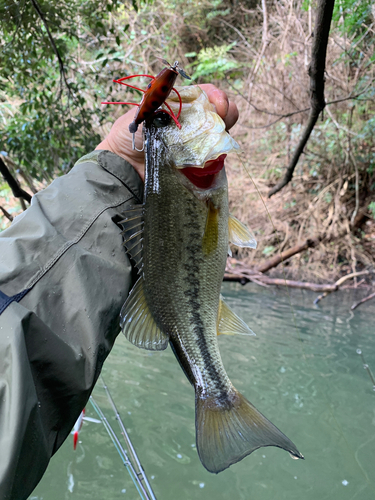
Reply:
x=161, y=120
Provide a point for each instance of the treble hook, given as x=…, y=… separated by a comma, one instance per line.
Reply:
x=134, y=147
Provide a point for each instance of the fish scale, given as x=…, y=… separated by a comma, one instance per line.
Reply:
x=179, y=309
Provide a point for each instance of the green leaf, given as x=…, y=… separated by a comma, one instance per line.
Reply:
x=268, y=250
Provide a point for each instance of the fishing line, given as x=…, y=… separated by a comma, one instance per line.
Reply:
x=299, y=337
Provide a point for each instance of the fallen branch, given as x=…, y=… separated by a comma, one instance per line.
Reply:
x=339, y=283
x=356, y=304
x=316, y=73
x=275, y=261
x=17, y=191
x=315, y=287
x=243, y=275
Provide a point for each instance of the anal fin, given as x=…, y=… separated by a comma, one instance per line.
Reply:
x=137, y=322
x=228, y=323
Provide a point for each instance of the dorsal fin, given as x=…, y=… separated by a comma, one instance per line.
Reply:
x=239, y=234
x=137, y=322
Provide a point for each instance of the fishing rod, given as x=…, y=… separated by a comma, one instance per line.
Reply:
x=119, y=448
x=135, y=469
x=141, y=474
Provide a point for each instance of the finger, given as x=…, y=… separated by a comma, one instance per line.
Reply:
x=218, y=98
x=232, y=115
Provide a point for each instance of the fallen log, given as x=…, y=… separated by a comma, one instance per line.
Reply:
x=243, y=275
x=339, y=282
x=315, y=287
x=275, y=261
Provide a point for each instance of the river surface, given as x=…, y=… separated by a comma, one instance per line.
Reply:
x=302, y=370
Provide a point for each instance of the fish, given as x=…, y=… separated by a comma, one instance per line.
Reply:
x=178, y=240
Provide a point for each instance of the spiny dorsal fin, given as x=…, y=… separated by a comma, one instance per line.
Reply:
x=229, y=323
x=133, y=234
x=240, y=235
x=138, y=324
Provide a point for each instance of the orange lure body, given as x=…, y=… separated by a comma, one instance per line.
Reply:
x=156, y=93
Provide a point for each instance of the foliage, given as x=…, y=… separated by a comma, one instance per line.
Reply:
x=47, y=117
x=267, y=251
x=213, y=62
x=352, y=16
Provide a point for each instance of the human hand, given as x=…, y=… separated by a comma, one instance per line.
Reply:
x=119, y=139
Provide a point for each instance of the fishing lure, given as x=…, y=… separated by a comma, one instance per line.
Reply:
x=155, y=95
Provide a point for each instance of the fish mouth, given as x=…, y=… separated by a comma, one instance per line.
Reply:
x=203, y=178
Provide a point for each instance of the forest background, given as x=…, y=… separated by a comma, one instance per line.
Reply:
x=58, y=60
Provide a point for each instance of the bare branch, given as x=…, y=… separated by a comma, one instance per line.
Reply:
x=275, y=261
x=281, y=115
x=52, y=42
x=25, y=175
x=6, y=213
x=244, y=275
x=356, y=304
x=316, y=73
x=339, y=282
x=17, y=191
x=287, y=115
x=265, y=23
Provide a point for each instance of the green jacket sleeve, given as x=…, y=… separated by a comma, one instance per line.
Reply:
x=64, y=276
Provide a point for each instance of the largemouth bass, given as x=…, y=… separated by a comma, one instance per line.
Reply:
x=178, y=240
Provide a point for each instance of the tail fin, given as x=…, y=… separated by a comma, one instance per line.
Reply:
x=228, y=431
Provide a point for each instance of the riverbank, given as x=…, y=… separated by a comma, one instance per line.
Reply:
x=298, y=216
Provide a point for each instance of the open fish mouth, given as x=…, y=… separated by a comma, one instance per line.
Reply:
x=204, y=177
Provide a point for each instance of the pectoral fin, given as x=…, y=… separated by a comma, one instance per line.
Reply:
x=211, y=232
x=229, y=323
x=240, y=235
x=138, y=324
x=133, y=234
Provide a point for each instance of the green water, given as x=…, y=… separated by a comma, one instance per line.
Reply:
x=302, y=371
